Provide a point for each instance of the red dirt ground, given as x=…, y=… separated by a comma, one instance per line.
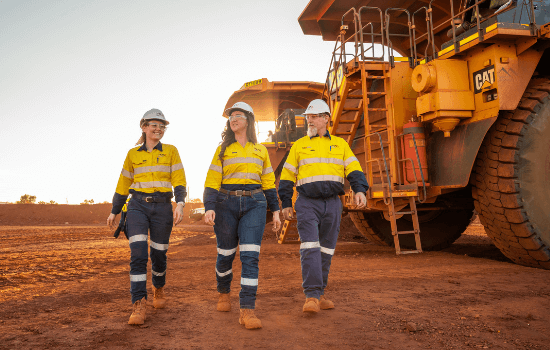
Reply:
x=67, y=287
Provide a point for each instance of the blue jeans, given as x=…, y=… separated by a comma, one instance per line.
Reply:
x=240, y=222
x=318, y=227
x=144, y=218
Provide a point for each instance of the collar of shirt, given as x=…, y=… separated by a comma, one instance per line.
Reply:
x=144, y=148
x=327, y=134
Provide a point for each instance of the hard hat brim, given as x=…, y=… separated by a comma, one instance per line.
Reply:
x=232, y=109
x=166, y=122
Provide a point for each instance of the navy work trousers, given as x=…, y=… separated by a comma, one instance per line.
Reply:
x=239, y=222
x=318, y=227
x=144, y=218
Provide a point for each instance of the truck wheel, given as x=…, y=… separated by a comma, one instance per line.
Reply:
x=511, y=179
x=438, y=228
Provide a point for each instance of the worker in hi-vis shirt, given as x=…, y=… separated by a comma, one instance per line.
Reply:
x=148, y=174
x=239, y=187
x=318, y=164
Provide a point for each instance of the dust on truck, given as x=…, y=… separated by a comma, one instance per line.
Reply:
x=446, y=105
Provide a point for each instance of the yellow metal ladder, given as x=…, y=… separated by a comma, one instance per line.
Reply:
x=416, y=227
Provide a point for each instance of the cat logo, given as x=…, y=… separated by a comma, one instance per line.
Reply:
x=484, y=79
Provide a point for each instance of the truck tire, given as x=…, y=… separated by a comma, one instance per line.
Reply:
x=511, y=179
x=438, y=228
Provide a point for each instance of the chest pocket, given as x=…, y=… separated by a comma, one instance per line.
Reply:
x=305, y=153
x=336, y=152
x=162, y=160
x=140, y=161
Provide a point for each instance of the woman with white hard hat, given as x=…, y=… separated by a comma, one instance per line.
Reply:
x=239, y=188
x=149, y=173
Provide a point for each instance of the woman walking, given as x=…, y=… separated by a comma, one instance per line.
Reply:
x=239, y=187
x=149, y=173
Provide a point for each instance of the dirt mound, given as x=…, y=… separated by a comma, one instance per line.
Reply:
x=64, y=214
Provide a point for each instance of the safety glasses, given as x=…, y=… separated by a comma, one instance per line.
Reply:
x=237, y=117
x=157, y=126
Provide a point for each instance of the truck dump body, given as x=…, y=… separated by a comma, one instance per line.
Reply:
x=324, y=17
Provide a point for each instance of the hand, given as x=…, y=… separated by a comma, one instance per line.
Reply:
x=111, y=220
x=360, y=200
x=276, y=221
x=288, y=213
x=178, y=214
x=209, y=217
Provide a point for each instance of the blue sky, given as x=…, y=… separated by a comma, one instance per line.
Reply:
x=76, y=77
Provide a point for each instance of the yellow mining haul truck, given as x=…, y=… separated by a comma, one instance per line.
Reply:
x=446, y=104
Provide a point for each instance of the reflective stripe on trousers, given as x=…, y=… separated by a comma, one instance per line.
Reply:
x=318, y=227
x=239, y=224
x=144, y=218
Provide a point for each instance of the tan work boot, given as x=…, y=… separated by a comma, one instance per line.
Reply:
x=138, y=315
x=311, y=305
x=249, y=320
x=159, y=300
x=325, y=304
x=224, y=304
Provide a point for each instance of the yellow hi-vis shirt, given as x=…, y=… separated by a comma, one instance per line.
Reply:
x=148, y=172
x=244, y=168
x=248, y=165
x=318, y=166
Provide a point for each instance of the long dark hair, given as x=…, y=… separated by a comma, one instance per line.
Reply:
x=228, y=136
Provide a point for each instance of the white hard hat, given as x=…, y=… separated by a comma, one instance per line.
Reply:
x=240, y=106
x=317, y=107
x=154, y=114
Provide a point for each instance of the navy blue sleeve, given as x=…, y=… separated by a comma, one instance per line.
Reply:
x=180, y=192
x=209, y=198
x=118, y=203
x=272, y=199
x=358, y=181
x=286, y=190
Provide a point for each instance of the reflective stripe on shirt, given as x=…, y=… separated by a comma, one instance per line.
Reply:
x=241, y=160
x=176, y=167
x=252, y=176
x=291, y=167
x=316, y=178
x=321, y=160
x=216, y=168
x=350, y=160
x=127, y=174
x=150, y=169
x=151, y=184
